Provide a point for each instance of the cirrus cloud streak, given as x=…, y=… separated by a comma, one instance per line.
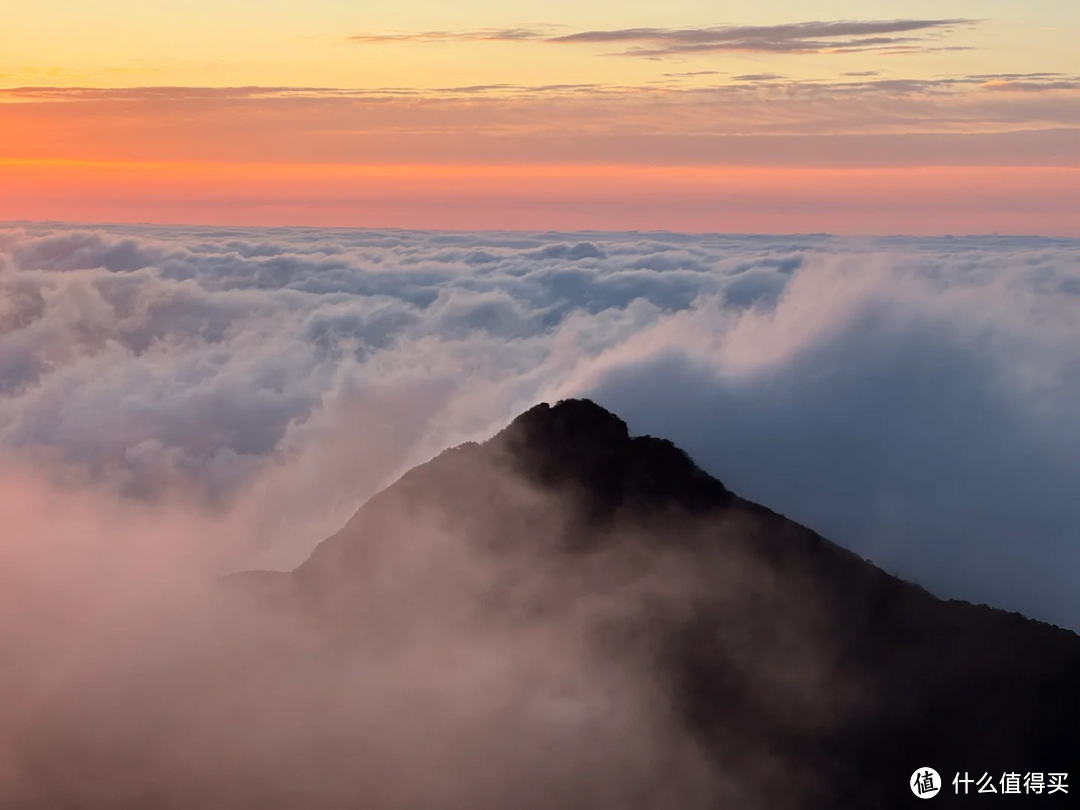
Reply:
x=814, y=37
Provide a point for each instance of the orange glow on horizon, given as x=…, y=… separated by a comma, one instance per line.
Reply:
x=931, y=199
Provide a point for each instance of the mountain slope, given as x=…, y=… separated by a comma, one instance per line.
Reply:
x=786, y=648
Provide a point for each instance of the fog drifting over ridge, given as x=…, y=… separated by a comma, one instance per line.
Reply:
x=243, y=390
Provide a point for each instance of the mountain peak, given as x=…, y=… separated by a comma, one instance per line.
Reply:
x=572, y=419
x=581, y=444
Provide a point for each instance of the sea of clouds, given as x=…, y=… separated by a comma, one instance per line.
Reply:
x=233, y=395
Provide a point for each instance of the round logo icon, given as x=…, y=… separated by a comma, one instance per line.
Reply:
x=925, y=783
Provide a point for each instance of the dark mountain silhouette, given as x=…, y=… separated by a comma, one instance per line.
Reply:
x=884, y=677
x=774, y=669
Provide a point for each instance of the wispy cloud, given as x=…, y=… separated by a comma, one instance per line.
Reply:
x=519, y=34
x=1032, y=86
x=806, y=37
x=1000, y=120
x=839, y=36
x=690, y=73
x=759, y=77
x=753, y=103
x=235, y=94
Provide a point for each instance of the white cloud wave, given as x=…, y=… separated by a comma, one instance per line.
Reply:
x=911, y=399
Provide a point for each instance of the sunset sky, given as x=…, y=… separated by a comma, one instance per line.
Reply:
x=951, y=116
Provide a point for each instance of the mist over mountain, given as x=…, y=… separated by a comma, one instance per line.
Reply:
x=911, y=399
x=561, y=616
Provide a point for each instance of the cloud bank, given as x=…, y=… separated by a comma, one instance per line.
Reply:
x=912, y=399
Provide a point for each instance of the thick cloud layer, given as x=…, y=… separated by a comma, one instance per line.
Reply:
x=911, y=399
